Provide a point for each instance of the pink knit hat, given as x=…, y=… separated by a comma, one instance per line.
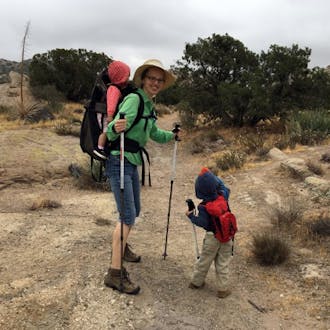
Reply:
x=118, y=72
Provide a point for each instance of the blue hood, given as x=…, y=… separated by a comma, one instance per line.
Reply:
x=208, y=186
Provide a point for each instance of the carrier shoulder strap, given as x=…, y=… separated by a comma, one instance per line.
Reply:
x=139, y=114
x=133, y=146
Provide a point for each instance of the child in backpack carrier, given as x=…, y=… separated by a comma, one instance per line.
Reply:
x=208, y=188
x=118, y=73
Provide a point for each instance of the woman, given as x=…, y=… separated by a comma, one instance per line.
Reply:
x=150, y=78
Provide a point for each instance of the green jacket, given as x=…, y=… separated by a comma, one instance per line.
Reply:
x=139, y=132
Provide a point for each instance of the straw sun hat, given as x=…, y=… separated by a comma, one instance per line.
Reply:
x=169, y=77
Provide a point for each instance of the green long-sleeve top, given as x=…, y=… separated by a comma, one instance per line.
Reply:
x=139, y=132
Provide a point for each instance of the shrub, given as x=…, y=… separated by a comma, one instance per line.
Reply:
x=287, y=215
x=83, y=179
x=252, y=142
x=45, y=204
x=102, y=222
x=25, y=111
x=270, y=249
x=48, y=93
x=262, y=152
x=309, y=127
x=188, y=118
x=321, y=227
x=286, y=140
x=231, y=159
x=326, y=157
x=5, y=109
x=205, y=141
x=67, y=129
x=196, y=145
x=212, y=135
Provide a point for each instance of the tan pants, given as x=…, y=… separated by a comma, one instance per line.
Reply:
x=221, y=254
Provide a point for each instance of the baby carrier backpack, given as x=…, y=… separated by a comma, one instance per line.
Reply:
x=90, y=129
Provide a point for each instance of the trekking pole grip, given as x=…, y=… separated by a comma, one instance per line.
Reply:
x=176, y=130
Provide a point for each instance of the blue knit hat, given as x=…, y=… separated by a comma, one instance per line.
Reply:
x=206, y=185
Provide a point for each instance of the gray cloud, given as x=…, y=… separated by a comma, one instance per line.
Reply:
x=135, y=31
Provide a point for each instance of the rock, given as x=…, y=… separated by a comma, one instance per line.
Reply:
x=318, y=183
x=21, y=283
x=312, y=271
x=296, y=166
x=277, y=154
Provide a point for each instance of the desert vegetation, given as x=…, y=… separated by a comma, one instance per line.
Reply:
x=234, y=118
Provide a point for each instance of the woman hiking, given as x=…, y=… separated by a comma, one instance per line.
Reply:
x=150, y=78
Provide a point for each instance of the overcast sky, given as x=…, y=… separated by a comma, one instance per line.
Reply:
x=135, y=30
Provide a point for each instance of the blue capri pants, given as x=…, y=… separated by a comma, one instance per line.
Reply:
x=132, y=204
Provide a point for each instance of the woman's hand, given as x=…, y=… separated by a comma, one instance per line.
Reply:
x=120, y=125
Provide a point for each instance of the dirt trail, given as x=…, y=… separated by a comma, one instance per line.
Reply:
x=52, y=262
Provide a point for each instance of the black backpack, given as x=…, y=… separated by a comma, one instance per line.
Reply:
x=90, y=130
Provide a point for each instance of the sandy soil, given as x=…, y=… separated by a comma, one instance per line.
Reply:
x=52, y=261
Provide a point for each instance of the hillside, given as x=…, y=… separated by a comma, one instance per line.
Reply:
x=6, y=66
x=53, y=260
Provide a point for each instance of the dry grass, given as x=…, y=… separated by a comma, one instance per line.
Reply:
x=45, y=204
x=102, y=222
x=230, y=159
x=288, y=215
x=269, y=248
x=83, y=179
x=320, y=226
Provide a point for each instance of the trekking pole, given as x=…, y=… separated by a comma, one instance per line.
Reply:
x=175, y=130
x=122, y=212
x=196, y=244
x=191, y=207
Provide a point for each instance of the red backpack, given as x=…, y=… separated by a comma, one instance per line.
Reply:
x=224, y=221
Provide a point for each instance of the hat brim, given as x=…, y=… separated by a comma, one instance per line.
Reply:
x=169, y=77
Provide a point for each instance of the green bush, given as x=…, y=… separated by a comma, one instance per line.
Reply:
x=187, y=117
x=5, y=109
x=309, y=127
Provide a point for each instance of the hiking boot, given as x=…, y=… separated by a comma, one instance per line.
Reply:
x=130, y=256
x=112, y=280
x=193, y=286
x=100, y=153
x=223, y=294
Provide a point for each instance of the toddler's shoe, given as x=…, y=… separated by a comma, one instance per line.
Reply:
x=223, y=294
x=100, y=153
x=193, y=286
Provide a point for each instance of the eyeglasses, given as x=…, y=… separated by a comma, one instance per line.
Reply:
x=154, y=79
